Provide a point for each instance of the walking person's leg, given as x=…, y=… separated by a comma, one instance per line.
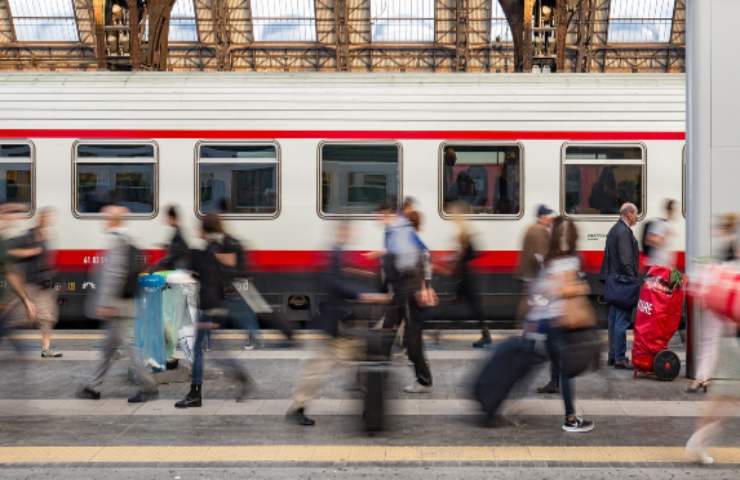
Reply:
x=113, y=339
x=611, y=337
x=573, y=423
x=621, y=324
x=47, y=314
x=194, y=397
x=313, y=374
x=415, y=345
x=552, y=345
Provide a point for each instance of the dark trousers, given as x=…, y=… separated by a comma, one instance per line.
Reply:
x=231, y=364
x=405, y=309
x=472, y=300
x=554, y=345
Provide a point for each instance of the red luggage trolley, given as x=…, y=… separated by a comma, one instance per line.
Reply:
x=659, y=313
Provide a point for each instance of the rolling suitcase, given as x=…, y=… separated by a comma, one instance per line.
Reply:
x=510, y=362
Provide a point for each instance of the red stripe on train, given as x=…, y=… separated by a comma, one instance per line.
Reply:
x=342, y=134
x=499, y=261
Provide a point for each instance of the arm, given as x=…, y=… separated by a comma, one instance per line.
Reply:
x=113, y=275
x=25, y=252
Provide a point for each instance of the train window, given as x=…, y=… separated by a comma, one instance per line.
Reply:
x=598, y=179
x=16, y=174
x=238, y=179
x=121, y=173
x=358, y=178
x=486, y=178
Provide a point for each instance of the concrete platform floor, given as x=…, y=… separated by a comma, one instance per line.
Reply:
x=45, y=432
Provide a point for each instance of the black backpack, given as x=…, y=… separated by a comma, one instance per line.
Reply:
x=646, y=248
x=135, y=264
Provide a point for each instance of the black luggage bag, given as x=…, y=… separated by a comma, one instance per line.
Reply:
x=374, y=373
x=510, y=362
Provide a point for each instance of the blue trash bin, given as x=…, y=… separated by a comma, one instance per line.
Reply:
x=149, y=330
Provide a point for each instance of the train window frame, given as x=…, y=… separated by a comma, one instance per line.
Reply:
x=319, y=177
x=32, y=160
x=481, y=216
x=683, y=180
x=643, y=182
x=278, y=180
x=77, y=160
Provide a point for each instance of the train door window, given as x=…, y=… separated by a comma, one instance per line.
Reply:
x=598, y=179
x=358, y=178
x=238, y=179
x=485, y=179
x=111, y=172
x=16, y=174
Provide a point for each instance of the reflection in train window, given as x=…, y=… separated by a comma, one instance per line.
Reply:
x=238, y=179
x=597, y=180
x=16, y=174
x=356, y=179
x=115, y=173
x=486, y=178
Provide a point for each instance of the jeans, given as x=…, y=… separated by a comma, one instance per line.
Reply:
x=554, y=345
x=198, y=353
x=242, y=315
x=619, y=322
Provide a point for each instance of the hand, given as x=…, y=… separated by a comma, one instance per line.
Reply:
x=373, y=255
x=105, y=312
x=30, y=310
x=375, y=298
x=427, y=297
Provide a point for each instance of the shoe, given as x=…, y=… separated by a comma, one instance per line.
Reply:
x=698, y=386
x=551, y=387
x=482, y=342
x=173, y=363
x=697, y=452
x=192, y=399
x=577, y=425
x=417, y=387
x=299, y=417
x=48, y=353
x=245, y=386
x=88, y=394
x=250, y=346
x=142, y=396
x=623, y=365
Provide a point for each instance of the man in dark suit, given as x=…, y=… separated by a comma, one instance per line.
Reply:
x=621, y=257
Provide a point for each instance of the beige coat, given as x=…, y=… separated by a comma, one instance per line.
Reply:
x=536, y=241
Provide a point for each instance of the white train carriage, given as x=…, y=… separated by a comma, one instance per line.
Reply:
x=283, y=155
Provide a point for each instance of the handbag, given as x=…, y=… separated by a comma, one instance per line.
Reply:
x=578, y=313
x=622, y=291
x=579, y=351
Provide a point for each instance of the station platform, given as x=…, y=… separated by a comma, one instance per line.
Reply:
x=45, y=432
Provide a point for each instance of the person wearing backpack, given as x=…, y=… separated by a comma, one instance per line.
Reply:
x=656, y=239
x=111, y=301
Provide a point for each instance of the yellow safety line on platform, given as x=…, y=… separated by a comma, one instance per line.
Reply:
x=352, y=454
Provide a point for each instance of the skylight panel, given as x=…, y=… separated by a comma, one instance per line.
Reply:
x=500, y=29
x=183, y=26
x=284, y=20
x=402, y=20
x=44, y=20
x=640, y=21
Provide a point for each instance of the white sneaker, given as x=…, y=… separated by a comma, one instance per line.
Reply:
x=578, y=425
x=417, y=387
x=696, y=452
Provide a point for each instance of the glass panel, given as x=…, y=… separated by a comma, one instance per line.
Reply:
x=499, y=25
x=15, y=183
x=183, y=26
x=15, y=151
x=129, y=185
x=113, y=150
x=603, y=153
x=640, y=21
x=357, y=179
x=487, y=178
x=284, y=20
x=238, y=151
x=238, y=188
x=44, y=20
x=602, y=189
x=402, y=20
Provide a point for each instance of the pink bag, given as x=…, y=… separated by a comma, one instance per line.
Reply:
x=718, y=287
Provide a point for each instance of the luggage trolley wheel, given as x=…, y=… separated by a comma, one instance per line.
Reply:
x=666, y=365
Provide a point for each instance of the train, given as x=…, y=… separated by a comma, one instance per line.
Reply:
x=284, y=156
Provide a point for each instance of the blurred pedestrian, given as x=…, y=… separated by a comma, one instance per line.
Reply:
x=177, y=248
x=339, y=346
x=108, y=303
x=466, y=290
x=620, y=266
x=557, y=282
x=9, y=277
x=534, y=249
x=412, y=290
x=31, y=254
x=659, y=237
x=213, y=267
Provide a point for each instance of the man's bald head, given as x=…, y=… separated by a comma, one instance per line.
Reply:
x=114, y=215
